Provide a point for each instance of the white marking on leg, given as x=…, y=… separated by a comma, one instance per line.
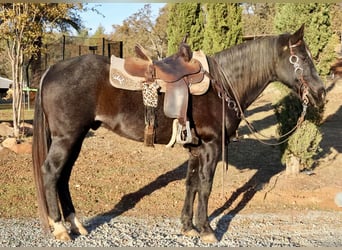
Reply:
x=75, y=225
x=60, y=232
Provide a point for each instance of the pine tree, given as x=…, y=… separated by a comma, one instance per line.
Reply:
x=303, y=145
x=185, y=18
x=223, y=27
x=317, y=26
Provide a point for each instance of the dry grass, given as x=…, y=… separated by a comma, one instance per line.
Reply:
x=6, y=113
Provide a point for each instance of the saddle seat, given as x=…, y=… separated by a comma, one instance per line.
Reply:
x=170, y=69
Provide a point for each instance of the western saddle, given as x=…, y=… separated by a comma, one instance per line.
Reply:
x=178, y=71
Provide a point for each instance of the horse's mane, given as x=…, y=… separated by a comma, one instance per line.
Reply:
x=248, y=65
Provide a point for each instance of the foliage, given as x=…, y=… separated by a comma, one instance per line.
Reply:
x=22, y=27
x=223, y=27
x=160, y=41
x=329, y=55
x=304, y=142
x=316, y=18
x=185, y=18
x=99, y=32
x=211, y=27
x=257, y=19
x=139, y=28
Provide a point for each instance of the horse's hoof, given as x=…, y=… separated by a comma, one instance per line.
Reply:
x=79, y=231
x=209, y=238
x=190, y=233
x=60, y=232
x=76, y=226
x=62, y=236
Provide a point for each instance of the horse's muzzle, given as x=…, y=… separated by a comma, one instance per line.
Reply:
x=318, y=98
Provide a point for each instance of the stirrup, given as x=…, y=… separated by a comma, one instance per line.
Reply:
x=184, y=134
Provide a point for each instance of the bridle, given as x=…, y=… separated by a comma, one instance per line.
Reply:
x=234, y=104
x=298, y=70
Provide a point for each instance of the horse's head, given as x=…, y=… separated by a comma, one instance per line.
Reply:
x=297, y=70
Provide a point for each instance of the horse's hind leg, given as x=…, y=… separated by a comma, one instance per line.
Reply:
x=64, y=192
x=59, y=161
x=191, y=184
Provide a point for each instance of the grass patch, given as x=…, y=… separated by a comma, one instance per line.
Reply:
x=6, y=113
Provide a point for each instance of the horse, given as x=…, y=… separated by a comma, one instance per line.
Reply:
x=76, y=96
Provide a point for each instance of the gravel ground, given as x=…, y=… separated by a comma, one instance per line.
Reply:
x=314, y=228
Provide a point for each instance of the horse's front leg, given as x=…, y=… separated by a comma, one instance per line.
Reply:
x=199, y=180
x=208, y=160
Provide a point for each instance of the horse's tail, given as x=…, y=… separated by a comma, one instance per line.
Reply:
x=40, y=146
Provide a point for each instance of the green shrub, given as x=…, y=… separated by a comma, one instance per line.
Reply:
x=304, y=142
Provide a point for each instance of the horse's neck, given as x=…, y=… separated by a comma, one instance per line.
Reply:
x=250, y=70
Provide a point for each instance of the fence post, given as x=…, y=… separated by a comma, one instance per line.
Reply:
x=63, y=48
x=121, y=49
x=103, y=46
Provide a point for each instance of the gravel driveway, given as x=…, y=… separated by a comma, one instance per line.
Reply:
x=312, y=228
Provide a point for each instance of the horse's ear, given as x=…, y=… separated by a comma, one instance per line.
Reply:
x=141, y=53
x=298, y=35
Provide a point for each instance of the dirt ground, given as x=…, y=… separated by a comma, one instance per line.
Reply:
x=116, y=175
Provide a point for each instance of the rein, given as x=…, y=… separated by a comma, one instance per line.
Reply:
x=234, y=104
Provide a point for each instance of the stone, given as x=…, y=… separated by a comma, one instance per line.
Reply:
x=292, y=165
x=19, y=148
x=9, y=142
x=338, y=199
x=5, y=129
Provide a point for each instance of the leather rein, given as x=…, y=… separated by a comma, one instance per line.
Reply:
x=234, y=104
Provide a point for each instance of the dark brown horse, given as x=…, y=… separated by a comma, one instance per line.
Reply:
x=76, y=96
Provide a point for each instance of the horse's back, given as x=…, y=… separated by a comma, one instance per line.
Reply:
x=69, y=91
x=74, y=71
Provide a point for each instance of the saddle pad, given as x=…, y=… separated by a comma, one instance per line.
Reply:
x=119, y=78
x=203, y=86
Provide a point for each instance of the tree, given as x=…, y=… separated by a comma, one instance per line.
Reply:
x=258, y=18
x=100, y=32
x=211, y=27
x=303, y=145
x=316, y=18
x=138, y=28
x=160, y=32
x=223, y=27
x=22, y=26
x=185, y=18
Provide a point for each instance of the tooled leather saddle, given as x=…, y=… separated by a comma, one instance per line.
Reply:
x=178, y=72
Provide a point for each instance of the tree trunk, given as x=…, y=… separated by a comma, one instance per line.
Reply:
x=292, y=165
x=17, y=73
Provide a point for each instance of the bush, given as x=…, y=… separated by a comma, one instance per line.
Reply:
x=302, y=144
